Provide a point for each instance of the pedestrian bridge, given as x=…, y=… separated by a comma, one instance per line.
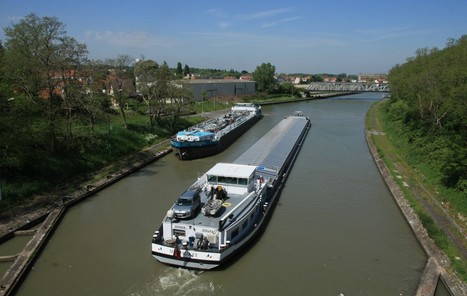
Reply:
x=347, y=87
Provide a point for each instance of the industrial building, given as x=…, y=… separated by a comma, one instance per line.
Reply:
x=209, y=88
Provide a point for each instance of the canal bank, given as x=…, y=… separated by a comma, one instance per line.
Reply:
x=48, y=218
x=438, y=265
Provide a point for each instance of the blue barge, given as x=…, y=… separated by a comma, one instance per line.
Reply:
x=215, y=135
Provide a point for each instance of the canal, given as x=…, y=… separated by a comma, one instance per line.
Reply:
x=336, y=228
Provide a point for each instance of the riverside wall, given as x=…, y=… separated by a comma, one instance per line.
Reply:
x=49, y=217
x=438, y=266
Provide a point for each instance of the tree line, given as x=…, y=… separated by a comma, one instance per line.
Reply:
x=63, y=115
x=428, y=107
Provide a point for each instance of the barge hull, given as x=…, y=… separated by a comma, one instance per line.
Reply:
x=194, y=152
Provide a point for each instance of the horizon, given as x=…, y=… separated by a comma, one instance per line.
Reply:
x=296, y=37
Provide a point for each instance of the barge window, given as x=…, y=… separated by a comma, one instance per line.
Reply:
x=227, y=180
x=234, y=233
x=242, y=181
x=231, y=180
x=212, y=178
x=245, y=224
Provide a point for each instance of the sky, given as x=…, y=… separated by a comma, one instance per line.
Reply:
x=305, y=36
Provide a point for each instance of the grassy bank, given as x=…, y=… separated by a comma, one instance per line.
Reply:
x=98, y=152
x=440, y=210
x=45, y=173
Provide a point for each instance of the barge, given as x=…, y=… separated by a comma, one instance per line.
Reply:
x=230, y=204
x=215, y=135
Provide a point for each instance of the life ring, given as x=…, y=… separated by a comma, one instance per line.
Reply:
x=226, y=204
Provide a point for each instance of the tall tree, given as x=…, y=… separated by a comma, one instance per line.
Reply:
x=163, y=83
x=38, y=58
x=428, y=101
x=94, y=104
x=121, y=82
x=186, y=70
x=264, y=77
x=146, y=72
x=179, y=71
x=180, y=98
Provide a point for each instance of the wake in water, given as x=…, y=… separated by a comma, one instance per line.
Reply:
x=176, y=282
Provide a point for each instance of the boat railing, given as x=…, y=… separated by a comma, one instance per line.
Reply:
x=200, y=183
x=232, y=126
x=242, y=205
x=268, y=170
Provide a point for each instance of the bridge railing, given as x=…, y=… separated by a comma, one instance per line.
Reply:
x=348, y=87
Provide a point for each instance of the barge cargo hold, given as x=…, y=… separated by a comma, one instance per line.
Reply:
x=215, y=135
x=230, y=204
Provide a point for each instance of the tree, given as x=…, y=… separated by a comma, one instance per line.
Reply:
x=162, y=90
x=428, y=102
x=94, y=105
x=179, y=71
x=121, y=82
x=38, y=60
x=146, y=73
x=186, y=70
x=180, y=98
x=264, y=77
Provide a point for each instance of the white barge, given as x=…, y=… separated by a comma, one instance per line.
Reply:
x=230, y=204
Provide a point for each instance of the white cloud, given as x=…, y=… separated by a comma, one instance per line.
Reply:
x=133, y=39
x=228, y=21
x=286, y=20
x=224, y=25
x=263, y=14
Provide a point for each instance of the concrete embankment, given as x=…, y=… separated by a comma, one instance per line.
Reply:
x=49, y=218
x=438, y=265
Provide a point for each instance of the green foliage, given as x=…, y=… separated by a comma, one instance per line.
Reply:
x=179, y=71
x=264, y=77
x=56, y=117
x=433, y=230
x=215, y=73
x=428, y=104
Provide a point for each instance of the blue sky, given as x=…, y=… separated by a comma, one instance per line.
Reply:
x=295, y=36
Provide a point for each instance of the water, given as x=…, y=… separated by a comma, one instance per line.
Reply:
x=335, y=230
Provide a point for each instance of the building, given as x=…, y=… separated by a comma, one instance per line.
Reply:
x=209, y=88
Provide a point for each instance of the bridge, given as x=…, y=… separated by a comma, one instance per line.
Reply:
x=347, y=87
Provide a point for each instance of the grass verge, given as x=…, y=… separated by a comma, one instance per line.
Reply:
x=420, y=189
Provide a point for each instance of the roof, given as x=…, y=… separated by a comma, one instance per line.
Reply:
x=232, y=170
